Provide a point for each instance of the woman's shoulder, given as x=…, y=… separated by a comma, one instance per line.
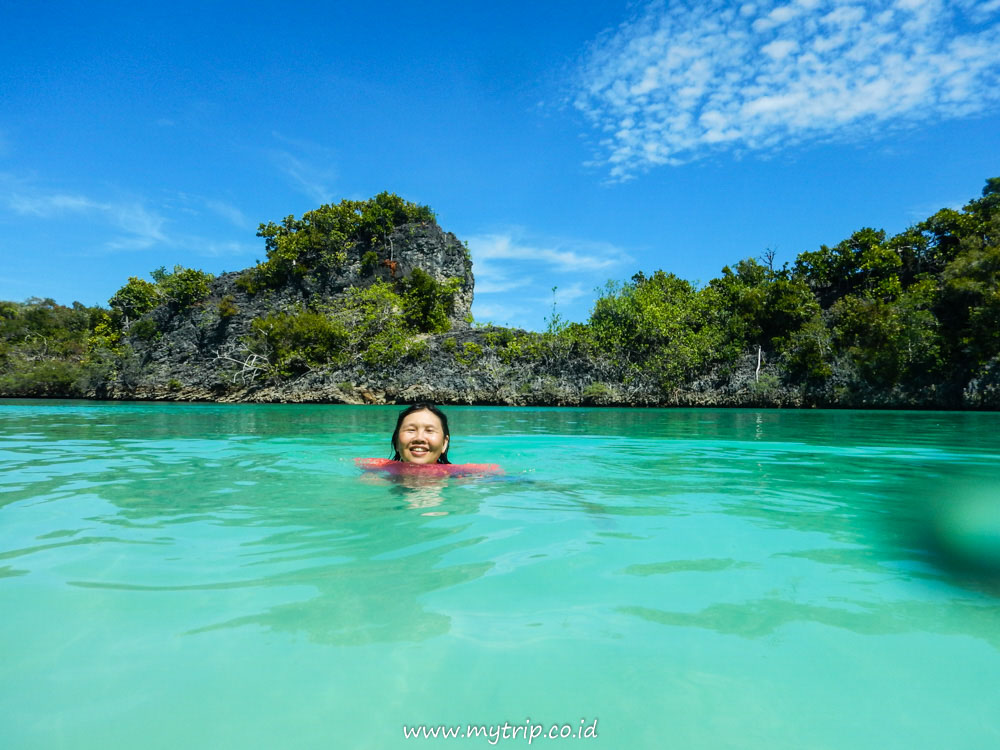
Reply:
x=400, y=467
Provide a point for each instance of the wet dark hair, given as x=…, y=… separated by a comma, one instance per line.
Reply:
x=443, y=458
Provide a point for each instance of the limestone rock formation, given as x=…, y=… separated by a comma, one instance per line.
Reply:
x=198, y=349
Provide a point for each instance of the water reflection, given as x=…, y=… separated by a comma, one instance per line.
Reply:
x=764, y=617
x=418, y=492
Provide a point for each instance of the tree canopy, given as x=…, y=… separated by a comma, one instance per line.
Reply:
x=909, y=319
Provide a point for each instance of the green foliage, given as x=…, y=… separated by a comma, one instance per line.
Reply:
x=174, y=384
x=427, y=303
x=808, y=352
x=499, y=337
x=554, y=322
x=766, y=387
x=106, y=335
x=471, y=352
x=137, y=297
x=43, y=347
x=256, y=279
x=518, y=348
x=323, y=239
x=368, y=262
x=369, y=326
x=183, y=286
x=921, y=309
x=864, y=264
x=48, y=377
x=970, y=298
x=915, y=313
x=378, y=330
x=659, y=325
x=760, y=306
x=599, y=393
x=144, y=329
x=299, y=341
x=227, y=307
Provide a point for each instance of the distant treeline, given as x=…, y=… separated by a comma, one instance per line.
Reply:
x=912, y=319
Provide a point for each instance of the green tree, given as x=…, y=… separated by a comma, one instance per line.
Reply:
x=970, y=299
x=862, y=264
x=427, y=303
x=43, y=347
x=760, y=306
x=661, y=326
x=136, y=298
x=298, y=341
x=379, y=332
x=323, y=238
x=890, y=343
x=182, y=286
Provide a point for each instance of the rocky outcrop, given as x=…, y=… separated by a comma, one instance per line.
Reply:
x=196, y=351
x=200, y=353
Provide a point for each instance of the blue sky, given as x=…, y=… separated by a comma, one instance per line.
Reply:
x=568, y=142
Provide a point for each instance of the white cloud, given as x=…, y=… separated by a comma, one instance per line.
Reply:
x=513, y=268
x=142, y=227
x=209, y=248
x=569, y=294
x=558, y=256
x=500, y=314
x=46, y=205
x=308, y=166
x=127, y=224
x=230, y=213
x=779, y=49
x=682, y=80
x=506, y=261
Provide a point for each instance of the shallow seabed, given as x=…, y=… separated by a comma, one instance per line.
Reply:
x=203, y=576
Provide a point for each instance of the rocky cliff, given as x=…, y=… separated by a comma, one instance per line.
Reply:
x=200, y=351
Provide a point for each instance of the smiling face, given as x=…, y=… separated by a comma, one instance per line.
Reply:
x=420, y=438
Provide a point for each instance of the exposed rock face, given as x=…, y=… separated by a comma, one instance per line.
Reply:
x=196, y=348
x=439, y=253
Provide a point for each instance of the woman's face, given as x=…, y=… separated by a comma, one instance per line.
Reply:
x=421, y=439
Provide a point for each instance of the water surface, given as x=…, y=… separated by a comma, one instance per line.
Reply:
x=208, y=576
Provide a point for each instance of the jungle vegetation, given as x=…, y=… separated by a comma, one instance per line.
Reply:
x=916, y=314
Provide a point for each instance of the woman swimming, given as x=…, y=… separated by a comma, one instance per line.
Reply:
x=421, y=436
x=420, y=448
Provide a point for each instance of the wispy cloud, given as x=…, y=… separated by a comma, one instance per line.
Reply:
x=140, y=226
x=569, y=294
x=199, y=206
x=501, y=314
x=560, y=255
x=513, y=260
x=684, y=79
x=230, y=213
x=308, y=166
x=508, y=260
x=218, y=249
x=124, y=225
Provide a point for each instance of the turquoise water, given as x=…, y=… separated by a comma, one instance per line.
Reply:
x=205, y=576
